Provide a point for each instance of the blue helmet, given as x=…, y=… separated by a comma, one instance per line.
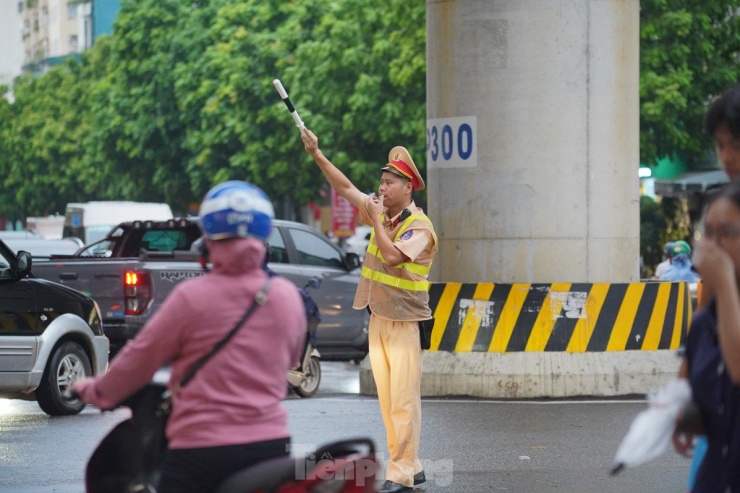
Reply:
x=236, y=209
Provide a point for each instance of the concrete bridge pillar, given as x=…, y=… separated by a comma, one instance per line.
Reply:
x=533, y=139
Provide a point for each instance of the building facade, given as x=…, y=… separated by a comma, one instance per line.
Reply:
x=50, y=32
x=11, y=56
x=39, y=34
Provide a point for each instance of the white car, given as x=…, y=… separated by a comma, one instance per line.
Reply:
x=357, y=243
x=40, y=247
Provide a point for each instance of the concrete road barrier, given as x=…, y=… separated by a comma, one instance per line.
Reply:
x=552, y=340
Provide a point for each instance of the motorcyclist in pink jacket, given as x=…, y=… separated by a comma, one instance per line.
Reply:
x=230, y=415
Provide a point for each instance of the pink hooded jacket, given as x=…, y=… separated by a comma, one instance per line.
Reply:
x=236, y=397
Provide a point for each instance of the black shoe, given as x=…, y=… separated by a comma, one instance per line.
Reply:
x=393, y=487
x=419, y=478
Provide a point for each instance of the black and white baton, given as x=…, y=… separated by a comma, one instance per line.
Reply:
x=284, y=95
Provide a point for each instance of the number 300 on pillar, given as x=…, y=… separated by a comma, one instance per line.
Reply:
x=451, y=142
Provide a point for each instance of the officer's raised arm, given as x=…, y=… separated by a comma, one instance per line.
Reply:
x=338, y=181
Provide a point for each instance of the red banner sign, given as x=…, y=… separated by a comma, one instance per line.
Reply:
x=343, y=216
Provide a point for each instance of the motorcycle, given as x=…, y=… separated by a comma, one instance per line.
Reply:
x=127, y=459
x=304, y=379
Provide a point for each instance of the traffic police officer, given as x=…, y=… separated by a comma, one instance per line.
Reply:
x=394, y=287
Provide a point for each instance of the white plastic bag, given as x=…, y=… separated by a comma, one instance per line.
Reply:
x=650, y=433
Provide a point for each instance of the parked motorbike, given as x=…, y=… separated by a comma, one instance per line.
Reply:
x=127, y=459
x=306, y=377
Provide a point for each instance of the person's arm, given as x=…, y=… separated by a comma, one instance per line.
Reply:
x=154, y=345
x=728, y=326
x=334, y=176
x=718, y=273
x=683, y=442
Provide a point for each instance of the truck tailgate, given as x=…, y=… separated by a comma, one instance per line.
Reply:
x=102, y=280
x=165, y=275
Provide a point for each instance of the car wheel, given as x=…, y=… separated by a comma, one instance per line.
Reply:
x=311, y=382
x=67, y=365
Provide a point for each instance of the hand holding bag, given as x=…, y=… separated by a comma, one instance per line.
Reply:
x=690, y=421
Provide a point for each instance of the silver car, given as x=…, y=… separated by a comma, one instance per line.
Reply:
x=300, y=253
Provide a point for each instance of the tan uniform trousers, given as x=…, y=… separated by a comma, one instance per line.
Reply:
x=396, y=359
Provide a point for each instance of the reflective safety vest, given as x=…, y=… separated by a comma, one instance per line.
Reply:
x=395, y=280
x=398, y=292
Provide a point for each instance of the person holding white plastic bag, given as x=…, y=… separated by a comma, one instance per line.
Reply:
x=713, y=346
x=722, y=125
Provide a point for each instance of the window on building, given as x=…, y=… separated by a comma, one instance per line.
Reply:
x=88, y=32
x=20, y=7
x=73, y=43
x=72, y=11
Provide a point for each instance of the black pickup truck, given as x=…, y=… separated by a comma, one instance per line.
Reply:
x=132, y=270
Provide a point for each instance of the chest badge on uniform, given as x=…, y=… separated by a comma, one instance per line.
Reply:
x=407, y=234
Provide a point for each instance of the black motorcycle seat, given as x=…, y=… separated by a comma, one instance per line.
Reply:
x=269, y=475
x=265, y=476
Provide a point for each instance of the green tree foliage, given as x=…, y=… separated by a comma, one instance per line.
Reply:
x=652, y=229
x=227, y=96
x=139, y=129
x=180, y=97
x=363, y=81
x=44, y=138
x=688, y=55
x=356, y=77
x=7, y=201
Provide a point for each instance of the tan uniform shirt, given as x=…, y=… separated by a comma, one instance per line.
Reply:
x=418, y=242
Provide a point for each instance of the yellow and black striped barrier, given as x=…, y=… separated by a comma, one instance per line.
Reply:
x=578, y=317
